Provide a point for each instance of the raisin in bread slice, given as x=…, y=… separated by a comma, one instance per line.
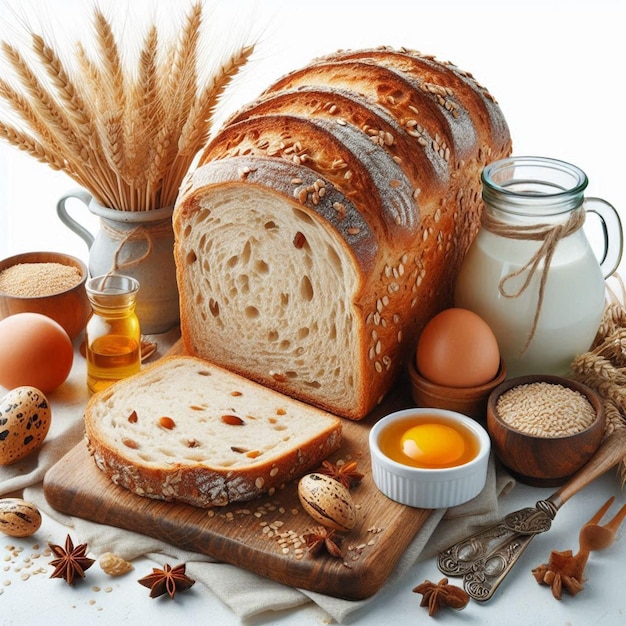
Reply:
x=189, y=431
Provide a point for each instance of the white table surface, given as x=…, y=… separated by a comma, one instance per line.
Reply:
x=519, y=600
x=557, y=69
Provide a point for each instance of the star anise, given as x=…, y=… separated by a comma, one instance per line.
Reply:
x=564, y=570
x=71, y=561
x=435, y=596
x=345, y=473
x=169, y=579
x=324, y=538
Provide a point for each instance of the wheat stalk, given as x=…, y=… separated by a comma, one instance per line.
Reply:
x=179, y=90
x=21, y=106
x=602, y=367
x=43, y=103
x=142, y=99
x=127, y=137
x=195, y=131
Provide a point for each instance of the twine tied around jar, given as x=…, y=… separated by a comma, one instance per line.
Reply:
x=148, y=234
x=549, y=235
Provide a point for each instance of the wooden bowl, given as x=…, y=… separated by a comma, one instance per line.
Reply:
x=70, y=308
x=538, y=459
x=470, y=401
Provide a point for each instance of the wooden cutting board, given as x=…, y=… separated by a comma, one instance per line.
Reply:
x=262, y=535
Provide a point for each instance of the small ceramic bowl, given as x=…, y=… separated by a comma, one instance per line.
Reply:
x=537, y=459
x=470, y=401
x=428, y=488
x=70, y=308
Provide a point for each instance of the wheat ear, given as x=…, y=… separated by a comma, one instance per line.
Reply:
x=179, y=90
x=21, y=106
x=142, y=101
x=44, y=105
x=33, y=147
x=196, y=129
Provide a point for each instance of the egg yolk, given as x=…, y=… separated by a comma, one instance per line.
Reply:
x=434, y=445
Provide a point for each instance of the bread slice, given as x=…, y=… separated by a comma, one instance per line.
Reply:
x=275, y=297
x=189, y=431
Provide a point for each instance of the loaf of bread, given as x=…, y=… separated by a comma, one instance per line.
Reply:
x=326, y=223
x=192, y=432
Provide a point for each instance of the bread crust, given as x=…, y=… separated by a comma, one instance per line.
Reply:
x=368, y=172
x=486, y=115
x=405, y=144
x=199, y=483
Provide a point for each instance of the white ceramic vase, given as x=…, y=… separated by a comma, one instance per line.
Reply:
x=139, y=244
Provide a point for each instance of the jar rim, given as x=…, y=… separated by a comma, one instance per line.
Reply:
x=528, y=184
x=112, y=284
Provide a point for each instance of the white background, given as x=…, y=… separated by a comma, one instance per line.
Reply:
x=555, y=66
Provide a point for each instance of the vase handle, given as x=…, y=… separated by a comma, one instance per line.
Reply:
x=85, y=197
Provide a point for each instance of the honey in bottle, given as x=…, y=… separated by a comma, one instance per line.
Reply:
x=112, y=335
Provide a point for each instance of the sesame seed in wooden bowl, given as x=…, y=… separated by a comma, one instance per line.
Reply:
x=544, y=428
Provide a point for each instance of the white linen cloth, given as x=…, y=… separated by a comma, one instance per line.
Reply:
x=246, y=593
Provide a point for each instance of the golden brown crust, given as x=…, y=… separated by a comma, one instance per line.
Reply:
x=405, y=143
x=339, y=153
x=399, y=93
x=472, y=96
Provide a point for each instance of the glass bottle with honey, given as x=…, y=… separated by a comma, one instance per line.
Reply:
x=112, y=335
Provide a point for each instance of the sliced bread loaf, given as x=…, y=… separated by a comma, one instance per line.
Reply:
x=327, y=221
x=188, y=431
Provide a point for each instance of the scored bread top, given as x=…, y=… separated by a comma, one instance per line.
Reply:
x=442, y=79
x=404, y=96
x=186, y=430
x=406, y=143
x=339, y=153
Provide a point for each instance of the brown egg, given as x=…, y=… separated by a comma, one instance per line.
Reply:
x=35, y=351
x=457, y=348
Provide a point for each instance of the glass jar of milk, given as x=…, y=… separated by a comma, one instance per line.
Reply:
x=531, y=272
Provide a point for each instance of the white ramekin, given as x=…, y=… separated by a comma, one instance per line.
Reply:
x=429, y=488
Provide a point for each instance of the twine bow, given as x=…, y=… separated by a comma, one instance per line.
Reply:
x=147, y=233
x=549, y=235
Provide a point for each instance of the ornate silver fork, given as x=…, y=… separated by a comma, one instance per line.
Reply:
x=485, y=558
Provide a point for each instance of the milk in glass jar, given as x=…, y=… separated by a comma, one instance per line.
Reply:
x=531, y=272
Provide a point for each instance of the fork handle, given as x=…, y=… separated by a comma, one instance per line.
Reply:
x=611, y=451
